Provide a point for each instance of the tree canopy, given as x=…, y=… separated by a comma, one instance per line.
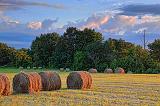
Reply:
x=81, y=50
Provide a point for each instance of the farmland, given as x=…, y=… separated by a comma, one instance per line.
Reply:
x=107, y=89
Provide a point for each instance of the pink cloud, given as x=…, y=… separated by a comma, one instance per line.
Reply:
x=95, y=22
x=34, y=25
x=128, y=20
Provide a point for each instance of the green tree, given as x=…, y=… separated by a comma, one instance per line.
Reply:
x=79, y=59
x=95, y=55
x=155, y=50
x=42, y=49
x=119, y=47
x=6, y=54
x=22, y=59
x=87, y=37
x=61, y=58
x=73, y=40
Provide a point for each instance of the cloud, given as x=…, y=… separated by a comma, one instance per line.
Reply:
x=33, y=28
x=34, y=25
x=95, y=21
x=107, y=22
x=140, y=9
x=112, y=23
x=10, y=5
x=49, y=24
x=17, y=4
x=117, y=24
x=129, y=27
x=125, y=21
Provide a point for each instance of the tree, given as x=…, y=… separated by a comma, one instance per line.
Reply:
x=22, y=59
x=87, y=37
x=6, y=54
x=155, y=50
x=61, y=58
x=119, y=47
x=73, y=40
x=43, y=47
x=79, y=59
x=96, y=55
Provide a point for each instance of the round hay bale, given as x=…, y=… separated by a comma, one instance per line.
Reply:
x=67, y=69
x=120, y=70
x=61, y=69
x=109, y=71
x=50, y=81
x=129, y=72
x=79, y=80
x=4, y=85
x=27, y=82
x=92, y=70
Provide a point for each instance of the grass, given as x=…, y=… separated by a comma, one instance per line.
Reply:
x=107, y=89
x=16, y=70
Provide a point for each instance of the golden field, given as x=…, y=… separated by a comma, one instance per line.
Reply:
x=107, y=90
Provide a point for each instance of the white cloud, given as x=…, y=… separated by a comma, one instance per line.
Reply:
x=33, y=28
x=7, y=23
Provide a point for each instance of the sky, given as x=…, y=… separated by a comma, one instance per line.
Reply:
x=22, y=20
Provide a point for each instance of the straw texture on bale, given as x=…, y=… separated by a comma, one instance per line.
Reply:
x=4, y=85
x=79, y=80
x=92, y=70
x=109, y=71
x=50, y=81
x=120, y=71
x=27, y=82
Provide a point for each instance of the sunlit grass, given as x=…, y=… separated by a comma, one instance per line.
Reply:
x=107, y=89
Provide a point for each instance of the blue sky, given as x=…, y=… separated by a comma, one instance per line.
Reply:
x=26, y=19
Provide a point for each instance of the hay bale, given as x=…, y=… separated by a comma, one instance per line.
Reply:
x=109, y=71
x=129, y=72
x=61, y=69
x=92, y=70
x=67, y=69
x=50, y=81
x=27, y=82
x=4, y=85
x=79, y=80
x=120, y=70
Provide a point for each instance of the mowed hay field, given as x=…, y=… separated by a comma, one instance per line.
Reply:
x=107, y=90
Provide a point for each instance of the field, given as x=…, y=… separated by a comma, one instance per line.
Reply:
x=107, y=90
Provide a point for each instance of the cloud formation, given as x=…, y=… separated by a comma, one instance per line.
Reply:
x=7, y=5
x=95, y=22
x=112, y=22
x=17, y=4
x=32, y=28
x=34, y=25
x=140, y=9
x=117, y=24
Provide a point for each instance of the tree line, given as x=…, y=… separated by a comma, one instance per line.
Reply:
x=81, y=50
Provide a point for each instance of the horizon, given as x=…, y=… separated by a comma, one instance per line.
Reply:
x=23, y=20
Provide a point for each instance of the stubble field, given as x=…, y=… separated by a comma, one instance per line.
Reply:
x=107, y=90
